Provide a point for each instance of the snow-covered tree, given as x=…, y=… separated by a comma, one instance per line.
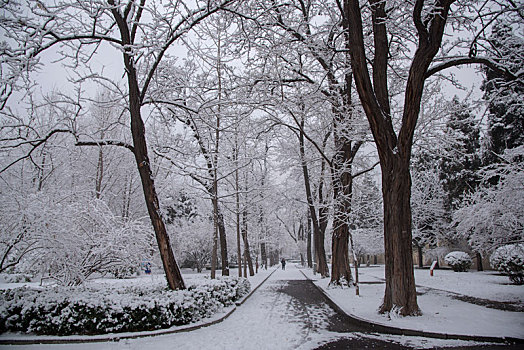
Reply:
x=504, y=96
x=79, y=236
x=427, y=202
x=194, y=242
x=493, y=215
x=366, y=218
x=460, y=160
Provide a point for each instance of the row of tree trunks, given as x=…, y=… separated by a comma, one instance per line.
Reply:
x=342, y=180
x=318, y=235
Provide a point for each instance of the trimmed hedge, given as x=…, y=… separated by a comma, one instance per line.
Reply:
x=89, y=310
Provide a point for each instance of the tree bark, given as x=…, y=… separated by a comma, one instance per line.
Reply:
x=214, y=250
x=308, y=244
x=263, y=254
x=342, y=191
x=342, y=180
x=480, y=267
x=400, y=294
x=223, y=244
x=237, y=202
x=173, y=275
x=247, y=254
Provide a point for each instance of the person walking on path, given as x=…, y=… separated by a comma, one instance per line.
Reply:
x=283, y=261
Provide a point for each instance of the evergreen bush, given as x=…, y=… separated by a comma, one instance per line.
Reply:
x=509, y=259
x=459, y=261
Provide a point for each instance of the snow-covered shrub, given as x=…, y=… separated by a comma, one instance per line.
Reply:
x=16, y=277
x=98, y=310
x=84, y=237
x=510, y=260
x=459, y=261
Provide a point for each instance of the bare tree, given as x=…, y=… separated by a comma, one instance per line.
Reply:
x=124, y=25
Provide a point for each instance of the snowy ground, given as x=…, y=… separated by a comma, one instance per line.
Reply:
x=276, y=316
x=441, y=312
x=155, y=278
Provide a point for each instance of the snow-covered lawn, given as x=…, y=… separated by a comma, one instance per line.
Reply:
x=486, y=284
x=190, y=276
x=441, y=312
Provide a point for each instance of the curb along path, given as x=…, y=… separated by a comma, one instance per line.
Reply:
x=129, y=335
x=382, y=328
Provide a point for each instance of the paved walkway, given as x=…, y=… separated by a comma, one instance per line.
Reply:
x=286, y=312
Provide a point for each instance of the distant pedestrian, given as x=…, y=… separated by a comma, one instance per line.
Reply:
x=283, y=261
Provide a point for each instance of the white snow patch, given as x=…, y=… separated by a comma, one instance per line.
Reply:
x=440, y=312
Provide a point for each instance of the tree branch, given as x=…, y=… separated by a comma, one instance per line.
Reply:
x=287, y=228
x=35, y=144
x=365, y=170
x=471, y=60
x=106, y=143
x=197, y=16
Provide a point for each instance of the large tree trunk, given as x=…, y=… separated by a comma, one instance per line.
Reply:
x=223, y=245
x=320, y=251
x=394, y=151
x=214, y=249
x=308, y=244
x=323, y=218
x=340, y=269
x=263, y=254
x=342, y=192
x=480, y=267
x=173, y=275
x=247, y=254
x=400, y=294
x=420, y=259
